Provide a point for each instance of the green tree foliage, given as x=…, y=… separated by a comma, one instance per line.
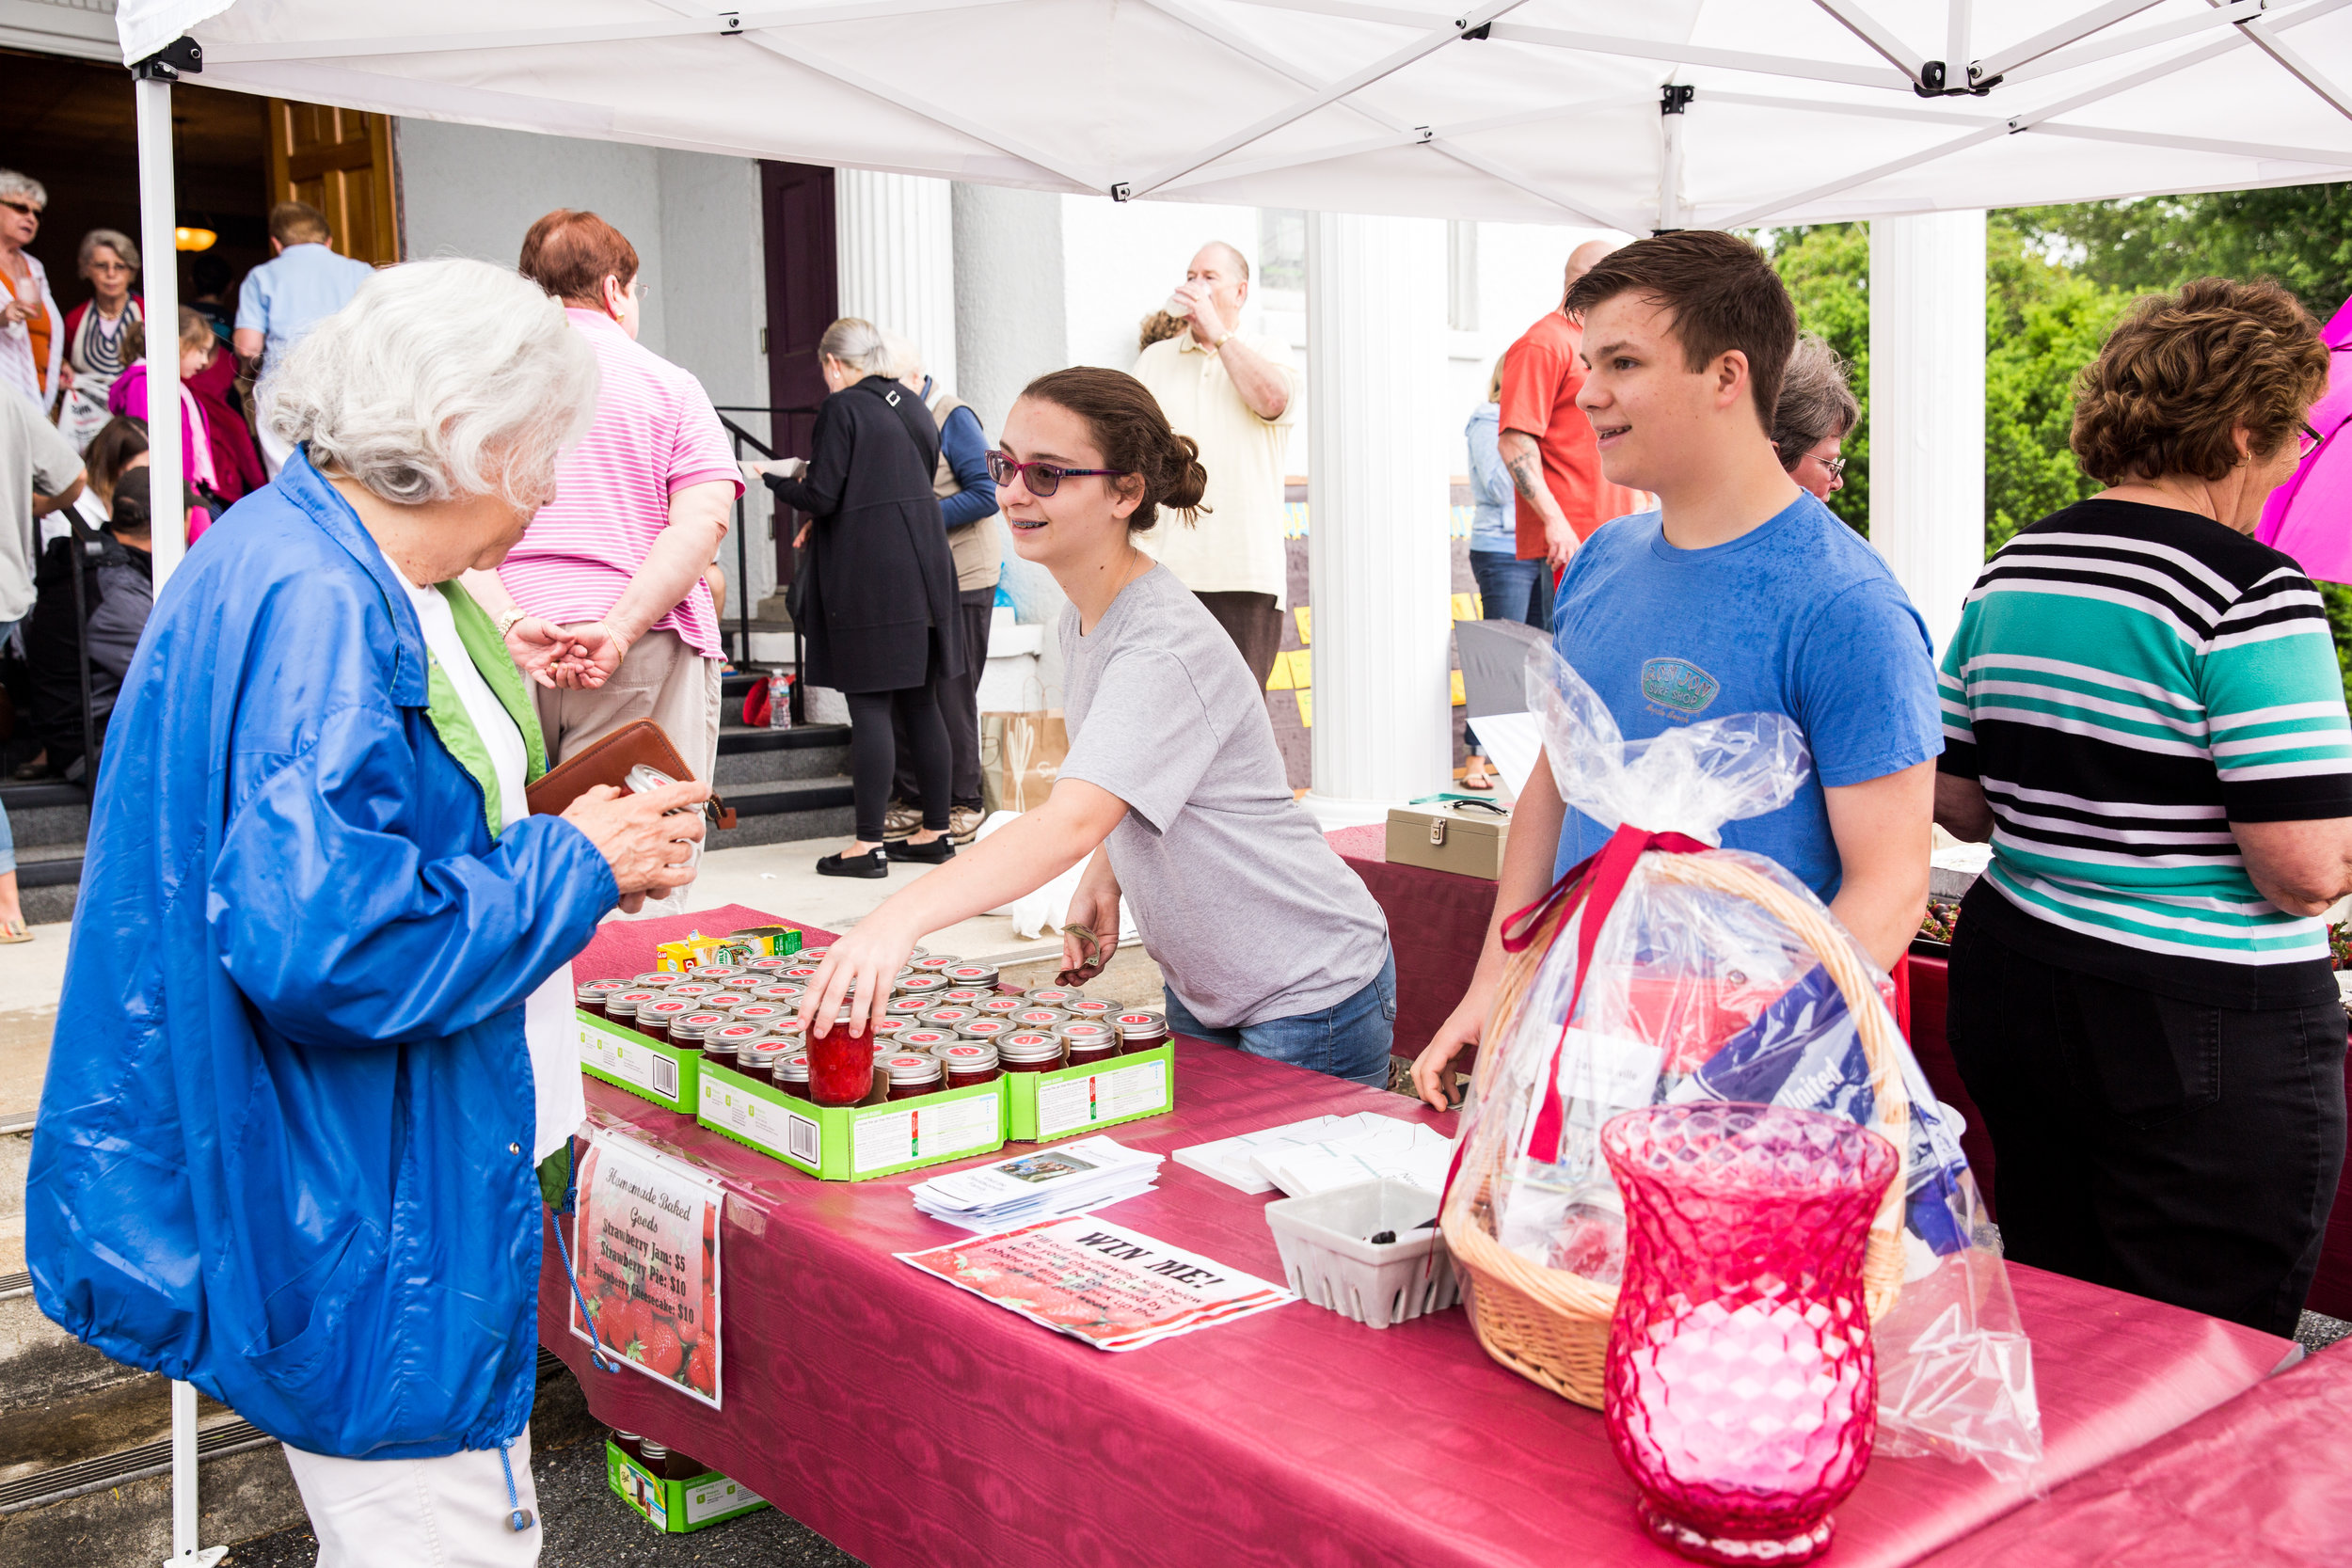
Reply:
x=2044, y=323
x=2302, y=235
x=1827, y=271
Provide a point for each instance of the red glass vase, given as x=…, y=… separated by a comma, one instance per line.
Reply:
x=1740, y=1391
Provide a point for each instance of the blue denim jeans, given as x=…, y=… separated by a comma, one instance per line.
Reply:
x=1513, y=590
x=1348, y=1040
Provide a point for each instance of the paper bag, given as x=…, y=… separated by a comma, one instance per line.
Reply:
x=1021, y=755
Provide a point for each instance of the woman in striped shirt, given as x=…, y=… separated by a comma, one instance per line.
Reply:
x=2143, y=712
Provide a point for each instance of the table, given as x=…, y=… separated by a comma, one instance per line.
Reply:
x=2249, y=1484
x=916, y=1425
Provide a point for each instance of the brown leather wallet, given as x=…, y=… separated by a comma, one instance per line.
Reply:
x=608, y=760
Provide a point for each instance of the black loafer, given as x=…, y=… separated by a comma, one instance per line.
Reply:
x=939, y=851
x=874, y=863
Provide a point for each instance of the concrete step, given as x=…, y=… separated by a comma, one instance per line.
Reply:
x=46, y=814
x=757, y=756
x=784, y=811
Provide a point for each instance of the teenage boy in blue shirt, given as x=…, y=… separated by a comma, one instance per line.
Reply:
x=1741, y=594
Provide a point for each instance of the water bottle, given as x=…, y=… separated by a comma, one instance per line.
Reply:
x=779, y=702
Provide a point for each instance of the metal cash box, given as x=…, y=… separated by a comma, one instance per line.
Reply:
x=1465, y=837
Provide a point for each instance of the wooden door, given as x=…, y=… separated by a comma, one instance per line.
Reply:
x=340, y=162
x=803, y=296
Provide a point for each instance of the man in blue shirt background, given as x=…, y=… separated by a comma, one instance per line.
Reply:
x=1742, y=594
x=284, y=297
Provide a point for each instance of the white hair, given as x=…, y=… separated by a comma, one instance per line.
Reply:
x=860, y=345
x=21, y=187
x=439, y=380
x=906, y=360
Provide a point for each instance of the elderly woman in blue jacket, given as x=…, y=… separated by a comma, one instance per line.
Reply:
x=314, y=1043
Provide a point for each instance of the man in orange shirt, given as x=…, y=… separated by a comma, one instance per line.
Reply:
x=1546, y=443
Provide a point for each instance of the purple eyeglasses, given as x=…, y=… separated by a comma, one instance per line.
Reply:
x=1043, y=478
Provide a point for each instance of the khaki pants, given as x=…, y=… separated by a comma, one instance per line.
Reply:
x=447, y=1513
x=661, y=679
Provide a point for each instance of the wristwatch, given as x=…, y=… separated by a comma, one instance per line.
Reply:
x=506, y=622
x=1222, y=342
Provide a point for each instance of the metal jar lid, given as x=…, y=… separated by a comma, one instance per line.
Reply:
x=691, y=990
x=987, y=1028
x=801, y=973
x=1140, y=1025
x=624, y=1004
x=789, y=1028
x=912, y=1066
x=948, y=1018
x=907, y=1007
x=781, y=990
x=593, y=990
x=692, y=1027
x=1050, y=996
x=967, y=1055
x=1029, y=1045
x=760, y=1054
x=757, y=1012
x=1003, y=1007
x=812, y=955
x=924, y=1040
x=920, y=984
x=981, y=975
x=656, y=979
x=722, y=974
x=792, y=1067
x=767, y=962
x=731, y=1037
x=668, y=1006
x=1089, y=1006
x=1040, y=1018
x=1086, y=1032
x=931, y=963
x=721, y=1001
x=964, y=996
x=888, y=1028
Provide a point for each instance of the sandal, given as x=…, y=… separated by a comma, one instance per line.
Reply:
x=1484, y=781
x=13, y=931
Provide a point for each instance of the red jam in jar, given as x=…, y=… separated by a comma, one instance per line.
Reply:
x=1039, y=1017
x=1089, y=1006
x=1140, y=1031
x=840, y=1067
x=653, y=1018
x=912, y=1074
x=688, y=1029
x=969, y=1062
x=589, y=995
x=1029, y=1051
x=791, y=1074
x=1088, y=1052
x=1087, y=1033
x=725, y=1043
x=621, y=1005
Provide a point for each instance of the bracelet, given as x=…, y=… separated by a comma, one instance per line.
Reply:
x=506, y=622
x=1222, y=342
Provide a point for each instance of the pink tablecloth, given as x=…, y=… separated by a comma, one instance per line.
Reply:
x=2259, y=1482
x=916, y=1425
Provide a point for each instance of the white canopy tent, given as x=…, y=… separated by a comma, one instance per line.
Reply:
x=1627, y=114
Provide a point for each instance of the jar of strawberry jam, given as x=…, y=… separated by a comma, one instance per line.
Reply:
x=999, y=1005
x=757, y=1058
x=723, y=1001
x=907, y=1007
x=803, y=974
x=1140, y=1031
x=781, y=990
x=977, y=977
x=1087, y=1035
x=725, y=1043
x=589, y=995
x=761, y=1012
x=923, y=1037
x=919, y=984
x=653, y=1018
x=933, y=963
x=1029, y=1051
x=885, y=1030
x=1050, y=996
x=790, y=1074
x=688, y=1029
x=963, y=996
x=840, y=1067
x=986, y=1028
x=948, y=1018
x=913, y=1073
x=1086, y=1053
x=969, y=1062
x=656, y=979
x=720, y=974
x=1048, y=1018
x=621, y=1007
x=812, y=955
x=1089, y=1006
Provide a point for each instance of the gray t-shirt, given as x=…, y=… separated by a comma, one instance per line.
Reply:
x=1250, y=913
x=33, y=457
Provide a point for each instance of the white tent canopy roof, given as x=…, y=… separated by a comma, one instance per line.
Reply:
x=1522, y=110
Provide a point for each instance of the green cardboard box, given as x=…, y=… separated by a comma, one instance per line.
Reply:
x=853, y=1143
x=676, y=1507
x=640, y=1064
x=1043, y=1106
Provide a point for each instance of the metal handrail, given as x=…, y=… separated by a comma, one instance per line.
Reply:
x=742, y=546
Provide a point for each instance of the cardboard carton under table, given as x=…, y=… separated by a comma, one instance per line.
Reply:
x=851, y=1143
x=676, y=1507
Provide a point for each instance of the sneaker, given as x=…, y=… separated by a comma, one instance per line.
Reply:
x=874, y=863
x=937, y=852
x=963, y=823
x=901, y=821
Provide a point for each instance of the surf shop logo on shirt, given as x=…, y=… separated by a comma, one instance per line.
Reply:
x=1678, y=684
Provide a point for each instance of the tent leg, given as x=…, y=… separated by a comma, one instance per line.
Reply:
x=184, y=1551
x=158, y=208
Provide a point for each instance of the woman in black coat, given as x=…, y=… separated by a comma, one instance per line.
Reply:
x=877, y=607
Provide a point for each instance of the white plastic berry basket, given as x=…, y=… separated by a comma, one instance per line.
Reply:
x=1331, y=1260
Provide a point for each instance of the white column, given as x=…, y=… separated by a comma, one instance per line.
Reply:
x=1926, y=408
x=160, y=285
x=895, y=246
x=1378, y=561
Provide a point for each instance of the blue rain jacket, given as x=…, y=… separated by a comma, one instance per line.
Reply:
x=284, y=1146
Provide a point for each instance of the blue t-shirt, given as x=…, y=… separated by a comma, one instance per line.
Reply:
x=285, y=298
x=1799, y=617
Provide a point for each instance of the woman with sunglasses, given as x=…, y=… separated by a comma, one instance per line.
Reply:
x=1816, y=411
x=32, y=329
x=1172, y=794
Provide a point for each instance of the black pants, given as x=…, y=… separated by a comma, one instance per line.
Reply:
x=959, y=708
x=1254, y=624
x=2178, y=1152
x=874, y=754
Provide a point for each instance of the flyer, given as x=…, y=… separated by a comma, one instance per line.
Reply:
x=646, y=1241
x=1115, y=1289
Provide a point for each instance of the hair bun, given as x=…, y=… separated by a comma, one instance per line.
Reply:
x=1184, y=481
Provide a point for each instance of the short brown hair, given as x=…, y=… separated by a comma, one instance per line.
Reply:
x=1723, y=295
x=1127, y=424
x=570, y=254
x=298, y=223
x=2180, y=374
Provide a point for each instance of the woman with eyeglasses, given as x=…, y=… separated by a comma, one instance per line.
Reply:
x=876, y=593
x=32, y=329
x=1816, y=412
x=98, y=332
x=2145, y=714
x=1173, y=795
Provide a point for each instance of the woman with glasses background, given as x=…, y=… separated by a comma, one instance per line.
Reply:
x=1816, y=412
x=97, y=333
x=2143, y=712
x=877, y=594
x=1172, y=796
x=32, y=328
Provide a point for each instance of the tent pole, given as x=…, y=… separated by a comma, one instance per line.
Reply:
x=1673, y=104
x=158, y=206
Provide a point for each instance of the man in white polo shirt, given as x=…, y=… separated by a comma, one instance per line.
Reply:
x=1238, y=397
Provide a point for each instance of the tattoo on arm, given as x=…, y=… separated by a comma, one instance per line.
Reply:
x=1527, y=472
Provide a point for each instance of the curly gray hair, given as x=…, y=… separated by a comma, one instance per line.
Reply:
x=108, y=239
x=1815, y=401
x=439, y=380
x=23, y=188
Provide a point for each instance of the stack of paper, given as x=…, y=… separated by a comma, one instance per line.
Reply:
x=1326, y=1153
x=1042, y=1184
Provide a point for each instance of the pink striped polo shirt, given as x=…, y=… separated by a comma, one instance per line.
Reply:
x=655, y=433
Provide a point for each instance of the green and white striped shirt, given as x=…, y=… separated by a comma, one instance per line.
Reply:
x=2127, y=681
